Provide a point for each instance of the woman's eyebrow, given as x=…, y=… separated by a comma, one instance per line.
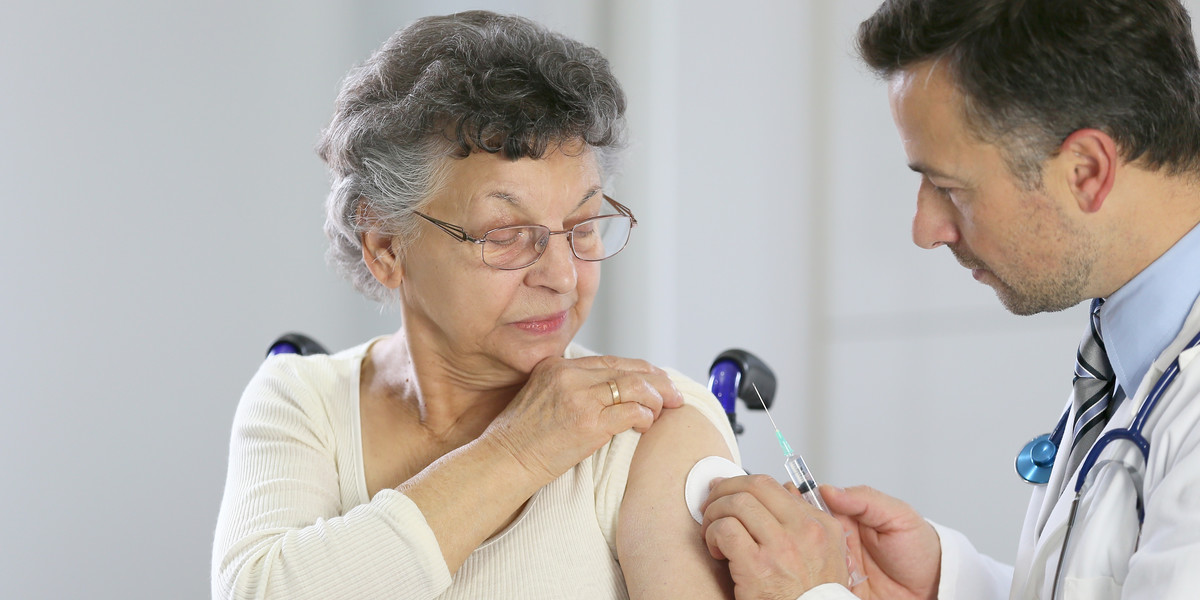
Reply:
x=505, y=196
x=591, y=193
x=516, y=200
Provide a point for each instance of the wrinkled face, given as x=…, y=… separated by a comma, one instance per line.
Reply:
x=1024, y=244
x=483, y=320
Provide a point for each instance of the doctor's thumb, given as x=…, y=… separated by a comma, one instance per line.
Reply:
x=855, y=501
x=840, y=500
x=870, y=507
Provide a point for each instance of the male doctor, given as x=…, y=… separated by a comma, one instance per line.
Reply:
x=1058, y=144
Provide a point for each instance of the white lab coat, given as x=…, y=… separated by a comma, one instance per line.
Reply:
x=1107, y=558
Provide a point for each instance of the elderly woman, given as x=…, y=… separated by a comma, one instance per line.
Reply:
x=476, y=452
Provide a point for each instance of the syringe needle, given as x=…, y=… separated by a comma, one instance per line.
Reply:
x=764, y=405
x=807, y=486
x=783, y=445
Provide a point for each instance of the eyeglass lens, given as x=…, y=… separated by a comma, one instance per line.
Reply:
x=595, y=239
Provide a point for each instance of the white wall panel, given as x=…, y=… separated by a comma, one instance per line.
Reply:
x=936, y=417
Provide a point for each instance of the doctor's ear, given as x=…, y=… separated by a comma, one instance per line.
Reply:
x=380, y=255
x=1092, y=162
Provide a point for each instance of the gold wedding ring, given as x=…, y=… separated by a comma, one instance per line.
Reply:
x=616, y=393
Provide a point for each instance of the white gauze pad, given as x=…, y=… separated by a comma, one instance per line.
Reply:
x=695, y=491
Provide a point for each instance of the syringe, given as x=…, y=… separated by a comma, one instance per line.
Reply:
x=802, y=478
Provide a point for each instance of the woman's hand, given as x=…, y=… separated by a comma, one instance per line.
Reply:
x=777, y=545
x=899, y=550
x=568, y=409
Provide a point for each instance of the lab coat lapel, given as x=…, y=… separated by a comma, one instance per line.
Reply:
x=1050, y=505
x=1045, y=519
x=1049, y=510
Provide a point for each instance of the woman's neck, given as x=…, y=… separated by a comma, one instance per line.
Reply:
x=447, y=399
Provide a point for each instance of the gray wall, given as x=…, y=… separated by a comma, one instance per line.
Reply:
x=162, y=209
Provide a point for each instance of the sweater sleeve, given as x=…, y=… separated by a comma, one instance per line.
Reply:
x=281, y=532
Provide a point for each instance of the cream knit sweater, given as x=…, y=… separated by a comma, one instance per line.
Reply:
x=296, y=522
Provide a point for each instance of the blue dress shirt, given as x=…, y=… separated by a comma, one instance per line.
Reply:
x=1141, y=319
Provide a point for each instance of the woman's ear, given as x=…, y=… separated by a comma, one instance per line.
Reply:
x=1092, y=157
x=379, y=253
x=378, y=250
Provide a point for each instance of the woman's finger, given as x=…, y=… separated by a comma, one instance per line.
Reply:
x=638, y=388
x=621, y=417
x=617, y=363
x=633, y=375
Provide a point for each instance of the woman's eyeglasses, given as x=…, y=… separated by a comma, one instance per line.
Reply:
x=519, y=246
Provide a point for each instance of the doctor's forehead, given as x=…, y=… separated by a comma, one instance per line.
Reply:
x=929, y=113
x=924, y=95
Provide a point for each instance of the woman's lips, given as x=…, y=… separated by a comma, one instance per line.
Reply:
x=543, y=324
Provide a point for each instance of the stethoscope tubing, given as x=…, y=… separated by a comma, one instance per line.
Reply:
x=1133, y=434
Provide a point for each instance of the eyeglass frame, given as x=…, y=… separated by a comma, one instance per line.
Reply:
x=460, y=234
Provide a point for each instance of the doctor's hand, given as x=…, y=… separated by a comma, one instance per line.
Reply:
x=778, y=546
x=901, y=554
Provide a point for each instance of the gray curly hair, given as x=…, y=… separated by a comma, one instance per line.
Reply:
x=444, y=87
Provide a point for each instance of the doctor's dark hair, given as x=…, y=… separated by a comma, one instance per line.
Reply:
x=1033, y=71
x=440, y=89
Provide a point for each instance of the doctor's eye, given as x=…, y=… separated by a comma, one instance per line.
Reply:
x=948, y=193
x=927, y=184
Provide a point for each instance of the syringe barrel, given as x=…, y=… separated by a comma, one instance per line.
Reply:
x=799, y=474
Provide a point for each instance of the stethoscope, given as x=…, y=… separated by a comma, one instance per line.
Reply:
x=1037, y=457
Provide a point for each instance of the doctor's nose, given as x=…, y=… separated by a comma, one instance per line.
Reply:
x=934, y=223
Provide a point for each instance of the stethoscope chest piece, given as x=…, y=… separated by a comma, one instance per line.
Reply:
x=1036, y=459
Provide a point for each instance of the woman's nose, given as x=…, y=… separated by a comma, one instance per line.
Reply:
x=934, y=223
x=556, y=268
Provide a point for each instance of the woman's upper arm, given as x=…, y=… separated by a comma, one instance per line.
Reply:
x=658, y=543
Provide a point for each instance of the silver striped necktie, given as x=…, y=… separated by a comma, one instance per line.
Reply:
x=1094, y=385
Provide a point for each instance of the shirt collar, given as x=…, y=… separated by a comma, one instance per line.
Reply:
x=1141, y=319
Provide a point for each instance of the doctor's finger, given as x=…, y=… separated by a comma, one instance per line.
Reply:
x=787, y=506
x=752, y=484
x=760, y=523
x=871, y=508
x=727, y=539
